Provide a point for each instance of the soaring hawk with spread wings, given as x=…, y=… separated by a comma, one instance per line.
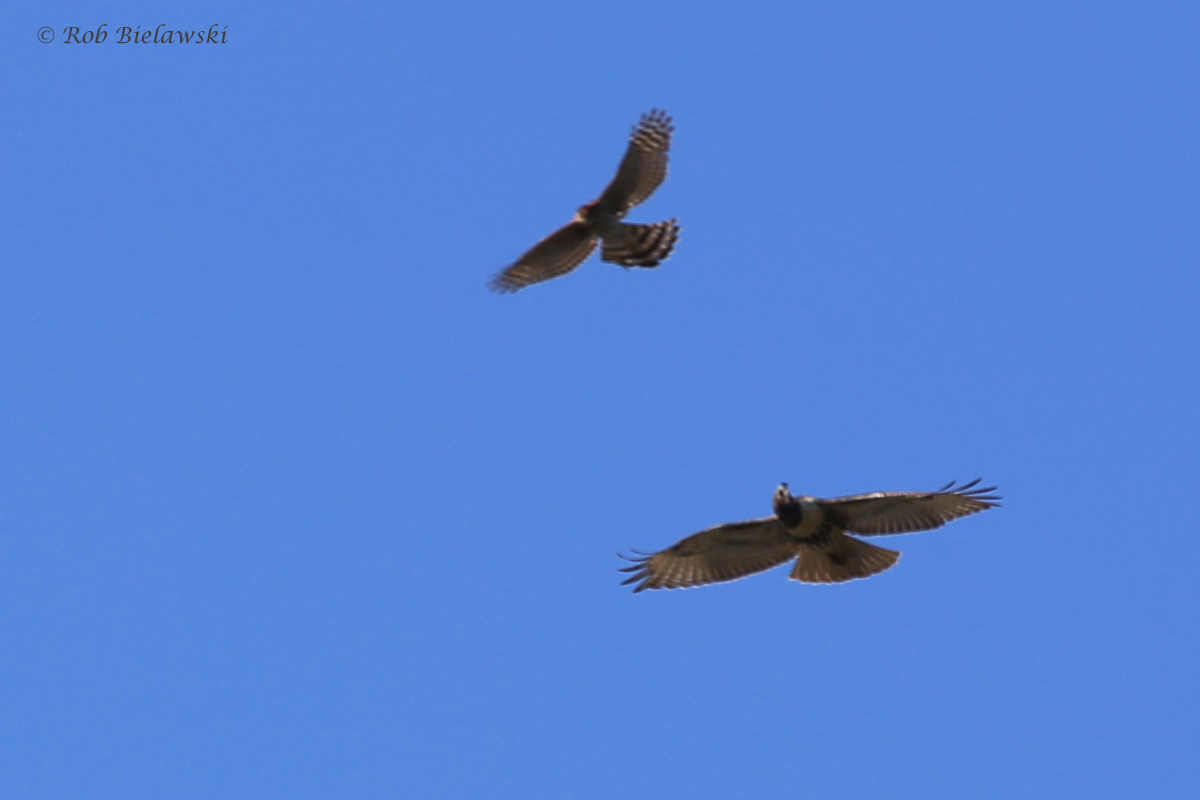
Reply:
x=812, y=529
x=642, y=170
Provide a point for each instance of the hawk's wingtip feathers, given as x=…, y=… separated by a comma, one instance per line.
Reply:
x=983, y=493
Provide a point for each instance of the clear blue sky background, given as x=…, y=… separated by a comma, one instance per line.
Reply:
x=292, y=506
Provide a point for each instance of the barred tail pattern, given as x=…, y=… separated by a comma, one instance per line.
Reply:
x=641, y=245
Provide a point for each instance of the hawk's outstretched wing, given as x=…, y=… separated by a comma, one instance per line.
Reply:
x=905, y=512
x=644, y=166
x=723, y=553
x=557, y=254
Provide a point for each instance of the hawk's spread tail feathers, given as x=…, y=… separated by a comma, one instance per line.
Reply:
x=641, y=245
x=843, y=559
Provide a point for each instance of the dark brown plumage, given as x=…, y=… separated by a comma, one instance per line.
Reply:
x=642, y=170
x=811, y=530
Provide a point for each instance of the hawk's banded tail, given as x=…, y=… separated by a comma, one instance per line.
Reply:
x=842, y=559
x=641, y=245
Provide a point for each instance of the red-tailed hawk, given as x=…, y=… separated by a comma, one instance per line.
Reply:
x=642, y=169
x=812, y=529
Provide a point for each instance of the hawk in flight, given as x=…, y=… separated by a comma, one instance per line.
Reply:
x=811, y=530
x=642, y=169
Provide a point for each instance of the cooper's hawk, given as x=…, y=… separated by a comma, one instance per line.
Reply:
x=642, y=169
x=811, y=528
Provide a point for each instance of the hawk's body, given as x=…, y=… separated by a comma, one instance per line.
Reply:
x=642, y=170
x=811, y=530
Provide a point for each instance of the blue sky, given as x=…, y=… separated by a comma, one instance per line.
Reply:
x=294, y=507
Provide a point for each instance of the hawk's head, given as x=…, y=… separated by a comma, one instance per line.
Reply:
x=786, y=507
x=585, y=211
